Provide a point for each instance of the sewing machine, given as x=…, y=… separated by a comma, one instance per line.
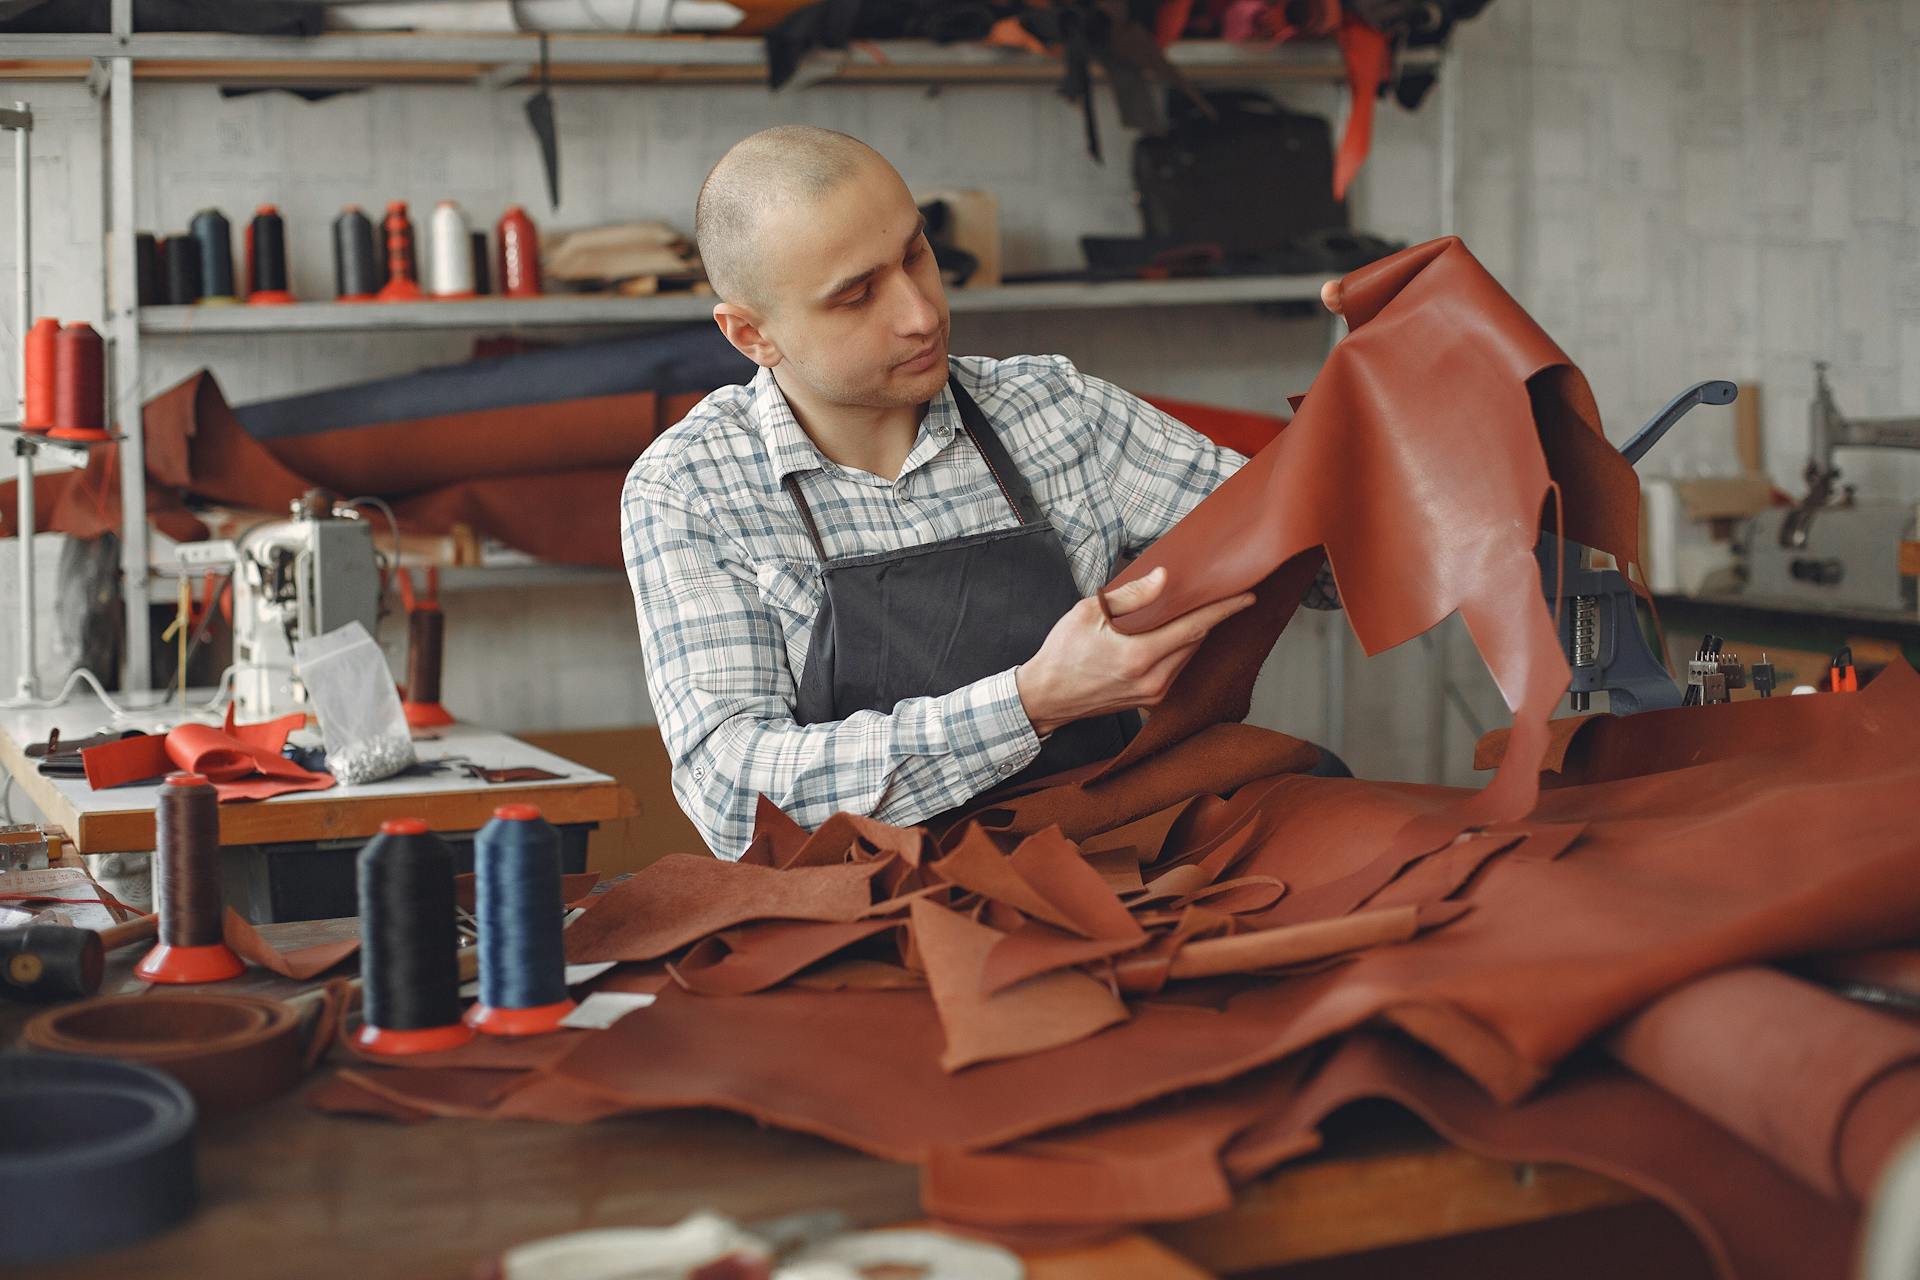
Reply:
x=292, y=580
x=1830, y=550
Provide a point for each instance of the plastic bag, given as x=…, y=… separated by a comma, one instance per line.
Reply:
x=361, y=722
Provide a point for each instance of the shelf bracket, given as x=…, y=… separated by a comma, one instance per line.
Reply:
x=99, y=78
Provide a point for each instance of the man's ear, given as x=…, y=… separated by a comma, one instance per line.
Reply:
x=741, y=324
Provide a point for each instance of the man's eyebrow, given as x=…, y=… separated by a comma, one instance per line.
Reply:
x=855, y=281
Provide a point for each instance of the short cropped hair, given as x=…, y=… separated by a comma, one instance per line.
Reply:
x=777, y=167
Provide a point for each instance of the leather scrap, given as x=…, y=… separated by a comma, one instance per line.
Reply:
x=683, y=898
x=242, y=761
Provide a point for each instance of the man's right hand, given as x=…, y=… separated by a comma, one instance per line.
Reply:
x=1086, y=668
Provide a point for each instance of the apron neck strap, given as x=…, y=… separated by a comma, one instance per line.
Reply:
x=1013, y=487
x=999, y=462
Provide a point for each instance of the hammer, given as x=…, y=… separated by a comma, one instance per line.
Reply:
x=48, y=962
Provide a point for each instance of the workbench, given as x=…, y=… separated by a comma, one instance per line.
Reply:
x=290, y=857
x=288, y=1193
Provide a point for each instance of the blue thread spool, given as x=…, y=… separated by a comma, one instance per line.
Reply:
x=523, y=968
x=408, y=942
x=212, y=233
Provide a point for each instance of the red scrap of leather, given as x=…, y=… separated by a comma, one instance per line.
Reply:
x=544, y=479
x=1063, y=967
x=1369, y=61
x=243, y=761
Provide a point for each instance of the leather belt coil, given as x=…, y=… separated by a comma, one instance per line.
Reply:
x=94, y=1154
x=230, y=1051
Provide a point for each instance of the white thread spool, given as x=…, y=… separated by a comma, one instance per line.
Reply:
x=450, y=265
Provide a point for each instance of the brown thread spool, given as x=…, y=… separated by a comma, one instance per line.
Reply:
x=186, y=873
x=426, y=633
x=403, y=282
x=38, y=412
x=79, y=384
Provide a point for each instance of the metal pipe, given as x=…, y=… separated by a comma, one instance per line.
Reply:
x=124, y=312
x=27, y=686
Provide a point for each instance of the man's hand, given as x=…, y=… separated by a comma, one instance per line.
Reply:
x=1086, y=668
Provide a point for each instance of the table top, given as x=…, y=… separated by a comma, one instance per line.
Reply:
x=120, y=819
x=297, y=1193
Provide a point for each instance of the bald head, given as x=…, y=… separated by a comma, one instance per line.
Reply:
x=779, y=168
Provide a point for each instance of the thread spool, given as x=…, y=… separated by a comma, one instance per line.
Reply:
x=49, y=962
x=79, y=384
x=186, y=878
x=37, y=414
x=481, y=283
x=452, y=261
x=356, y=266
x=402, y=285
x=267, y=259
x=523, y=983
x=408, y=942
x=150, y=277
x=211, y=232
x=426, y=643
x=183, y=270
x=517, y=266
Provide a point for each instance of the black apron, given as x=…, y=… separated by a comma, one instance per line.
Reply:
x=926, y=620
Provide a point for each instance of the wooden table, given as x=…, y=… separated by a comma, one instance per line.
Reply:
x=121, y=819
x=288, y=1193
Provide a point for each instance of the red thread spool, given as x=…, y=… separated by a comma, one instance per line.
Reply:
x=38, y=414
x=79, y=384
x=403, y=280
x=517, y=269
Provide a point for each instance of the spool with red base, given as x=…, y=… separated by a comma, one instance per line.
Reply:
x=426, y=642
x=408, y=959
x=186, y=857
x=79, y=385
x=516, y=863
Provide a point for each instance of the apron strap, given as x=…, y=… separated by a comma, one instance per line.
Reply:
x=792, y=482
x=1013, y=487
x=999, y=462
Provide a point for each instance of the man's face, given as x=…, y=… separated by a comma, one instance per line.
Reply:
x=854, y=299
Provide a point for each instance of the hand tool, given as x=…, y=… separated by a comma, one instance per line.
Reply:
x=46, y=962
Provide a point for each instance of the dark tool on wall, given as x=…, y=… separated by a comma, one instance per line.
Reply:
x=1599, y=628
x=545, y=130
x=46, y=962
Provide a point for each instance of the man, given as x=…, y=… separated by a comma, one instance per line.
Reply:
x=864, y=580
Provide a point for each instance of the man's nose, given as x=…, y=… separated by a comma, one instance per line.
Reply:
x=914, y=312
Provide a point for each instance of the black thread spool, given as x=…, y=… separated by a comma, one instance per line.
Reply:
x=267, y=282
x=215, y=238
x=480, y=283
x=523, y=968
x=408, y=942
x=357, y=266
x=186, y=879
x=182, y=256
x=150, y=276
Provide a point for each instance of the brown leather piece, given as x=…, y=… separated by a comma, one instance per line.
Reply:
x=683, y=898
x=300, y=964
x=1029, y=1017
x=1825, y=1087
x=242, y=761
x=230, y=1051
x=738, y=962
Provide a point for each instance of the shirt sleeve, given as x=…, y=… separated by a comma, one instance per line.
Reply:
x=1157, y=468
x=724, y=695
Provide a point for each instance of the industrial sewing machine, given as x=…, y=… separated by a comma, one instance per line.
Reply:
x=292, y=580
x=1831, y=551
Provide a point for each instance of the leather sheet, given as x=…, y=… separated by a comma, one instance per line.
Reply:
x=1669, y=846
x=242, y=761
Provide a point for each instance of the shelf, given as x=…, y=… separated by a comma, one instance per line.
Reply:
x=552, y=312
x=370, y=58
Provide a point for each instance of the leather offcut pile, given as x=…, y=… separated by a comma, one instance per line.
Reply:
x=1111, y=996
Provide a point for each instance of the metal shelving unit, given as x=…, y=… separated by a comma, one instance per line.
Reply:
x=110, y=65
x=585, y=310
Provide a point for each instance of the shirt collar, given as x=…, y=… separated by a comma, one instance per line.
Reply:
x=791, y=450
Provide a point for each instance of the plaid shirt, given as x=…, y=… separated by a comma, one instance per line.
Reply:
x=727, y=584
